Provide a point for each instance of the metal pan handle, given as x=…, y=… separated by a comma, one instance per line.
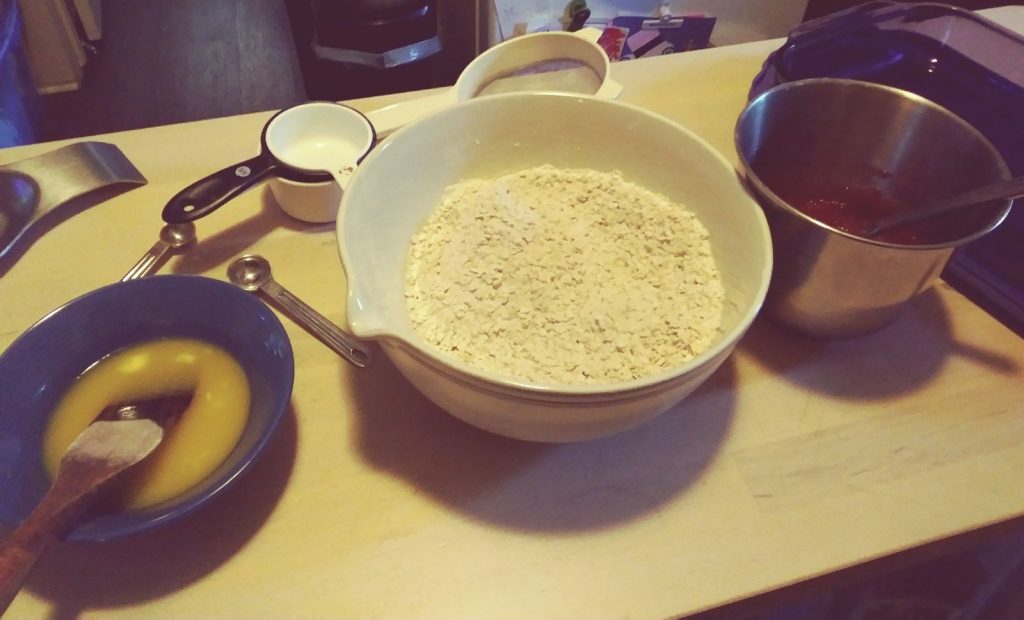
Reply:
x=210, y=193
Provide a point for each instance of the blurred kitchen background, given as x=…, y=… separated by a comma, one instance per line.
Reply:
x=110, y=65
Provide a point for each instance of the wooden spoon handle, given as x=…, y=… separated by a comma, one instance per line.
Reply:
x=102, y=451
x=51, y=520
x=17, y=557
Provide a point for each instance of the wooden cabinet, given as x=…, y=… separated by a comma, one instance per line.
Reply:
x=90, y=16
x=52, y=41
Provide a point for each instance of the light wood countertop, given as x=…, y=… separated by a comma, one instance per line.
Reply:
x=796, y=459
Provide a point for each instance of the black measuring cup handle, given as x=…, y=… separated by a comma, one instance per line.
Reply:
x=210, y=193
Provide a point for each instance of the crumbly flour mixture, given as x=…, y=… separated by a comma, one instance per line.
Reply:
x=559, y=276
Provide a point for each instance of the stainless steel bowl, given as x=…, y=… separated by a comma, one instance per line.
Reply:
x=827, y=282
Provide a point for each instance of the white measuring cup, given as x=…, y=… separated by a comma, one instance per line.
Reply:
x=309, y=151
x=544, y=61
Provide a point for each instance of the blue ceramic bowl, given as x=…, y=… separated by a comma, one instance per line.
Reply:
x=38, y=368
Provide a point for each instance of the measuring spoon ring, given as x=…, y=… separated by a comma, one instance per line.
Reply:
x=252, y=273
x=172, y=237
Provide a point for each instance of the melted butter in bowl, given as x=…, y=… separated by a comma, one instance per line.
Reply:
x=197, y=444
x=185, y=327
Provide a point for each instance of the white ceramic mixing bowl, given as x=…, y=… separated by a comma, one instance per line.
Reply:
x=399, y=184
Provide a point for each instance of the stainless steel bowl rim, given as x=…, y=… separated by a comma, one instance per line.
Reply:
x=752, y=178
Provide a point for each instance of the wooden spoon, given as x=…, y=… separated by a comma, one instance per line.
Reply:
x=97, y=456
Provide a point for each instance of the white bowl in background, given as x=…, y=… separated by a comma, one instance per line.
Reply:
x=400, y=183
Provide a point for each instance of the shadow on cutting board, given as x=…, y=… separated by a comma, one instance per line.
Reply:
x=551, y=488
x=77, y=577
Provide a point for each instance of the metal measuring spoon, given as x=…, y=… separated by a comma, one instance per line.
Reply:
x=252, y=273
x=982, y=196
x=172, y=237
